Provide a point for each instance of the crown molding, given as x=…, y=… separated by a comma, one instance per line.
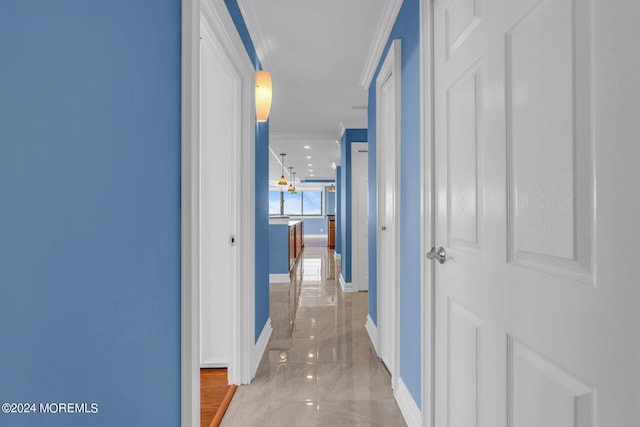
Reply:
x=385, y=25
x=258, y=37
x=341, y=130
x=354, y=124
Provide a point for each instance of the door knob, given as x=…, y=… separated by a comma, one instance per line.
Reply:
x=440, y=255
x=384, y=228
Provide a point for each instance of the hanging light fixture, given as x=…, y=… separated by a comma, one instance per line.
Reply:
x=295, y=190
x=291, y=187
x=263, y=95
x=283, y=180
x=331, y=189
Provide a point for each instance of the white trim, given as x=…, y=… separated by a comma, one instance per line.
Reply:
x=261, y=346
x=372, y=331
x=256, y=32
x=346, y=286
x=279, y=278
x=337, y=256
x=406, y=403
x=214, y=363
x=379, y=41
x=341, y=130
x=316, y=236
x=427, y=191
x=392, y=66
x=189, y=292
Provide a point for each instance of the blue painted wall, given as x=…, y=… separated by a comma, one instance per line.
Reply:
x=338, y=196
x=349, y=136
x=278, y=248
x=262, y=227
x=261, y=187
x=90, y=147
x=315, y=226
x=407, y=29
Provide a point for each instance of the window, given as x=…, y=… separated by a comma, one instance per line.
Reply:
x=274, y=203
x=292, y=203
x=312, y=202
x=303, y=203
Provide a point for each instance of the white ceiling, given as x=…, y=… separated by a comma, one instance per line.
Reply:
x=316, y=52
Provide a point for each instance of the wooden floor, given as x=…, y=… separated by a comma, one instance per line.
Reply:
x=215, y=395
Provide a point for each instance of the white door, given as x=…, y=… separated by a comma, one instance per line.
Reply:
x=388, y=185
x=360, y=216
x=531, y=315
x=218, y=112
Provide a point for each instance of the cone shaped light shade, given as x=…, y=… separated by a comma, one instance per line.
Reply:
x=283, y=180
x=332, y=189
x=263, y=95
x=291, y=187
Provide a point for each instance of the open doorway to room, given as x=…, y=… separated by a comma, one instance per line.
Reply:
x=218, y=205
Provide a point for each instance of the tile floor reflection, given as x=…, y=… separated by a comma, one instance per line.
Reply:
x=319, y=368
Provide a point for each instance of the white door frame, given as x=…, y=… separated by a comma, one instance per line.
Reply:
x=427, y=191
x=391, y=68
x=242, y=309
x=359, y=255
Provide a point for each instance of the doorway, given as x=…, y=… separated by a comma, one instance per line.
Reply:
x=212, y=237
x=388, y=187
x=360, y=213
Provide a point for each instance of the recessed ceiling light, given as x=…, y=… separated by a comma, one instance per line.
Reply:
x=307, y=146
x=308, y=157
x=309, y=164
x=310, y=170
x=311, y=175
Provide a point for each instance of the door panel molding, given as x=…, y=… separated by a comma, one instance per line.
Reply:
x=552, y=235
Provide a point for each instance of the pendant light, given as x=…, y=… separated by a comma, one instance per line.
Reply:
x=331, y=189
x=282, y=181
x=295, y=190
x=291, y=187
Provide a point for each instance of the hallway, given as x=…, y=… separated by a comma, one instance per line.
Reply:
x=319, y=368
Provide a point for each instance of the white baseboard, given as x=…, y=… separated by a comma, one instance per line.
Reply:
x=315, y=236
x=336, y=256
x=214, y=363
x=372, y=330
x=279, y=278
x=261, y=346
x=408, y=407
x=346, y=286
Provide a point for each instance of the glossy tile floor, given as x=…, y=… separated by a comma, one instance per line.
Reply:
x=319, y=368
